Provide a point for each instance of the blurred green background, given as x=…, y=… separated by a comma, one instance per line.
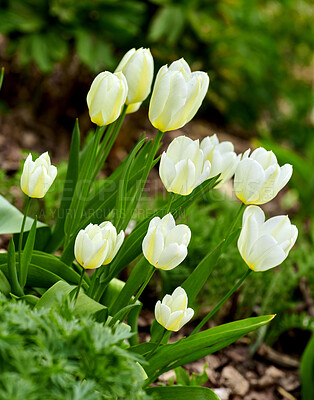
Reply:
x=258, y=53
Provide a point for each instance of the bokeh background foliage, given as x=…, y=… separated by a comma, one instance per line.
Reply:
x=257, y=53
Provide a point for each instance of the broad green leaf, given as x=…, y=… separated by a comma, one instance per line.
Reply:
x=143, y=348
x=47, y=269
x=11, y=219
x=27, y=254
x=69, y=186
x=173, y=352
x=29, y=299
x=5, y=286
x=182, y=393
x=84, y=304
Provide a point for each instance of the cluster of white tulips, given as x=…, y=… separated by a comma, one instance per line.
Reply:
x=177, y=95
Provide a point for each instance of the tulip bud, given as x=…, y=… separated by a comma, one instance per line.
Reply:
x=259, y=178
x=37, y=176
x=183, y=167
x=138, y=68
x=172, y=313
x=165, y=244
x=264, y=245
x=96, y=245
x=177, y=95
x=221, y=156
x=106, y=97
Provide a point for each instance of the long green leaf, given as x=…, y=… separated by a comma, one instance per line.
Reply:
x=82, y=188
x=176, y=351
x=48, y=267
x=5, y=286
x=307, y=371
x=197, y=279
x=123, y=185
x=27, y=254
x=12, y=271
x=57, y=236
x=182, y=393
x=1, y=76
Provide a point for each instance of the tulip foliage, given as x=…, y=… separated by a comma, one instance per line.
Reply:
x=91, y=231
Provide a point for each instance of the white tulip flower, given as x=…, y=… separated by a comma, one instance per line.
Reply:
x=264, y=245
x=37, y=176
x=138, y=68
x=177, y=95
x=172, y=313
x=165, y=244
x=223, y=159
x=259, y=178
x=96, y=245
x=183, y=167
x=106, y=97
x=114, y=240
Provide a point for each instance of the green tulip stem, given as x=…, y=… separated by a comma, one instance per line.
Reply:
x=222, y=301
x=79, y=286
x=145, y=283
x=21, y=234
x=153, y=351
x=171, y=199
x=108, y=141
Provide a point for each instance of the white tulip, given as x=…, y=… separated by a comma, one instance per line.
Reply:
x=37, y=176
x=177, y=95
x=264, y=245
x=183, y=167
x=165, y=244
x=106, y=97
x=172, y=313
x=96, y=245
x=138, y=68
x=223, y=159
x=114, y=240
x=259, y=178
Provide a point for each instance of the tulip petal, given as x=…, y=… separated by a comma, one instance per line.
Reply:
x=153, y=245
x=188, y=315
x=172, y=256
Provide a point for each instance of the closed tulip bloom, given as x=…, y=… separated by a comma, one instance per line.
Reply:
x=183, y=167
x=259, y=178
x=177, y=95
x=264, y=245
x=106, y=97
x=37, y=176
x=165, y=244
x=97, y=245
x=172, y=313
x=114, y=240
x=138, y=68
x=223, y=159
